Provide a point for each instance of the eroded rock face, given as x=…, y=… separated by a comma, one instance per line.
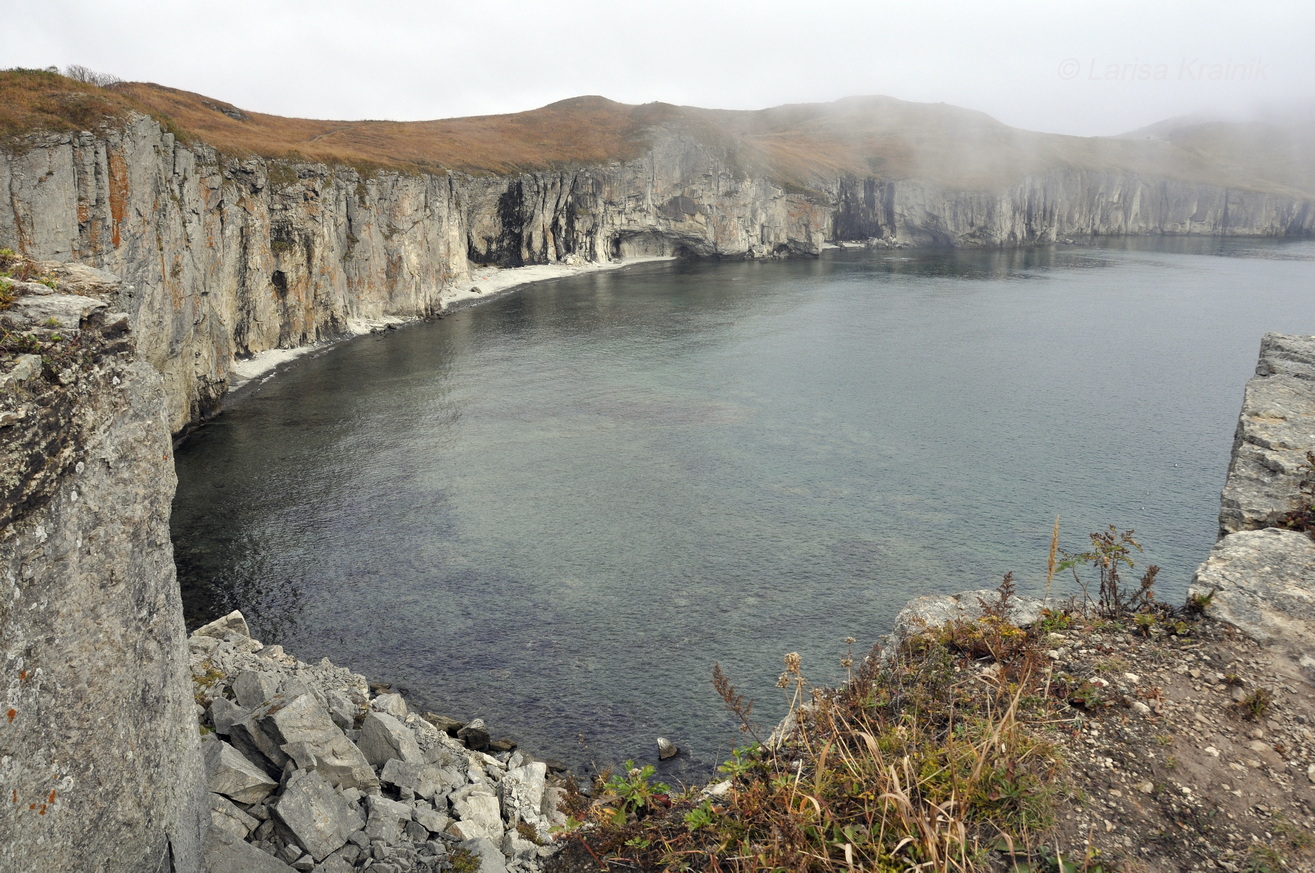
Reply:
x=99, y=756
x=1274, y=431
x=1055, y=206
x=1263, y=580
x=224, y=258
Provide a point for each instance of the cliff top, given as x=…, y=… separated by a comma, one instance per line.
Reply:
x=1151, y=742
x=801, y=145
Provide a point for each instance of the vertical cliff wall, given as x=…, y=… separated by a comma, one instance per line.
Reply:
x=99, y=759
x=1060, y=205
x=226, y=257
x=1259, y=576
x=222, y=259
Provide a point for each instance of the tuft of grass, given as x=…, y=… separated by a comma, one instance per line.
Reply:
x=921, y=761
x=941, y=756
x=1256, y=704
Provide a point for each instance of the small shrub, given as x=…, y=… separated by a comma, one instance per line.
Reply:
x=79, y=73
x=1256, y=704
x=637, y=793
x=463, y=861
x=1111, y=551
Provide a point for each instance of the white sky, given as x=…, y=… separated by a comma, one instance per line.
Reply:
x=1092, y=67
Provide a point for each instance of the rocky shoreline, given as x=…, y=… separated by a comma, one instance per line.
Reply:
x=309, y=769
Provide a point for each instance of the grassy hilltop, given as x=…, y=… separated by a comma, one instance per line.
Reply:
x=804, y=145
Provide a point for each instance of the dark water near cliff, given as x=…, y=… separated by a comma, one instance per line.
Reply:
x=559, y=509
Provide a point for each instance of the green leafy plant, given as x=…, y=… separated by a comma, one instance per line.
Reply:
x=1110, y=552
x=638, y=794
x=700, y=817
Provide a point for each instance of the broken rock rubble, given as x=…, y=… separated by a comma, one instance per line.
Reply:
x=309, y=772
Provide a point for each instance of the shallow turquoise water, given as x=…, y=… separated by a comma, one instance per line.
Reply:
x=558, y=509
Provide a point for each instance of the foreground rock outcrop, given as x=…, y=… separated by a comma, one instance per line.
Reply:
x=1259, y=578
x=99, y=759
x=1274, y=431
x=309, y=771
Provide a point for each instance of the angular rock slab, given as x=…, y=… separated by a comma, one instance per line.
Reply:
x=283, y=729
x=1264, y=585
x=522, y=796
x=220, y=628
x=478, y=812
x=314, y=816
x=253, y=688
x=226, y=853
x=386, y=819
x=384, y=738
x=229, y=773
x=227, y=816
x=423, y=780
x=1274, y=431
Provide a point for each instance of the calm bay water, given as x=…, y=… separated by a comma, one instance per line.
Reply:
x=559, y=509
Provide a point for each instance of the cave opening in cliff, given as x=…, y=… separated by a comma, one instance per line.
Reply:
x=279, y=280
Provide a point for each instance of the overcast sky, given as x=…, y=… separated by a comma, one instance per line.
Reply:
x=1088, y=68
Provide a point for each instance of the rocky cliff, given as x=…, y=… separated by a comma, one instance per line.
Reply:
x=99, y=757
x=225, y=254
x=1261, y=577
x=1063, y=204
x=224, y=258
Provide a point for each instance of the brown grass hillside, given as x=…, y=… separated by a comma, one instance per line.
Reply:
x=800, y=145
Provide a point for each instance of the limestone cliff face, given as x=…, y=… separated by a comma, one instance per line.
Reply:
x=1057, y=206
x=226, y=258
x=1274, y=431
x=99, y=754
x=1260, y=578
x=680, y=198
x=223, y=257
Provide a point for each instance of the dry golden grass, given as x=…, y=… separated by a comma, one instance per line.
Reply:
x=37, y=100
x=803, y=146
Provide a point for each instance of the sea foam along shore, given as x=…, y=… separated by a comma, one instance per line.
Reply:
x=481, y=284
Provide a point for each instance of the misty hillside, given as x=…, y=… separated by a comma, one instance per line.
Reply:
x=803, y=145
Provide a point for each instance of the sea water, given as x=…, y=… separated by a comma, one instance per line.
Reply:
x=559, y=509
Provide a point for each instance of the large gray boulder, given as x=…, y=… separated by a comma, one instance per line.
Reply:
x=301, y=728
x=384, y=738
x=229, y=773
x=386, y=818
x=314, y=816
x=478, y=813
x=1263, y=582
x=1274, y=431
x=227, y=853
